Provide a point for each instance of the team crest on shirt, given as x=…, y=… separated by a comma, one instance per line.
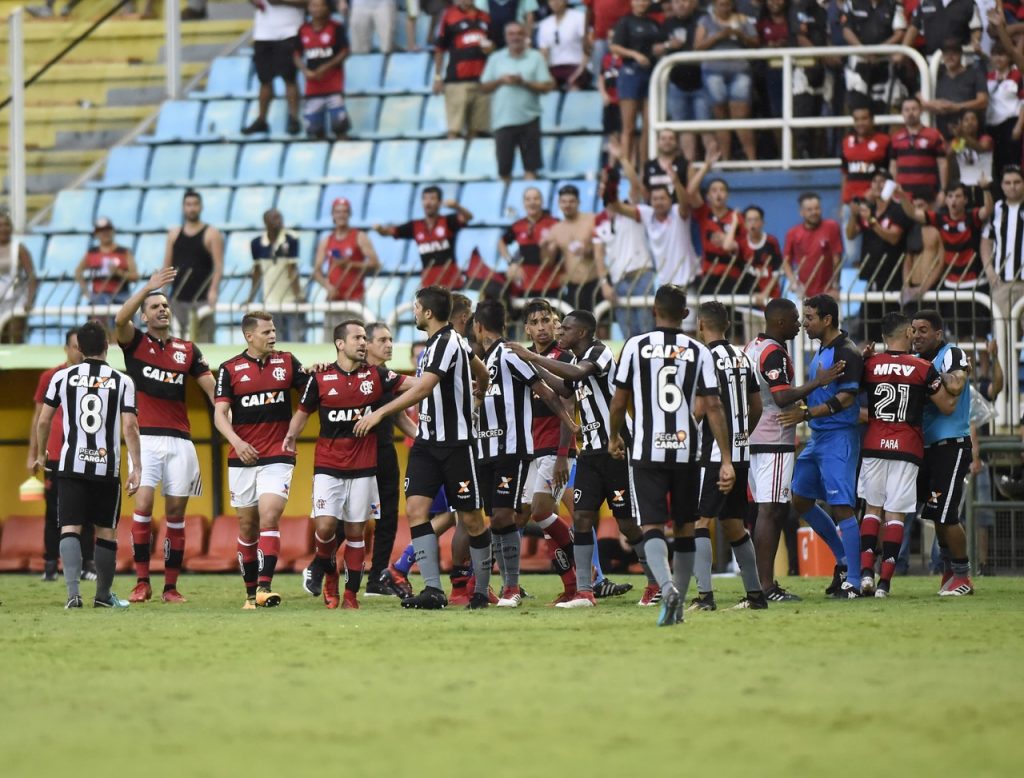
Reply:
x=366, y=387
x=177, y=345
x=364, y=374
x=439, y=231
x=576, y=494
x=321, y=504
x=773, y=374
x=279, y=373
x=179, y=357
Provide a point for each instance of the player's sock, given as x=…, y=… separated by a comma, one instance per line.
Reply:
x=174, y=551
x=559, y=547
x=641, y=556
x=507, y=548
x=656, y=550
x=869, y=527
x=248, y=561
x=427, y=556
x=850, y=532
x=269, y=547
x=684, y=553
x=326, y=550
x=105, y=558
x=355, y=555
x=892, y=539
x=702, y=561
x=71, y=556
x=823, y=525
x=743, y=550
x=480, y=553
x=556, y=530
x=596, y=560
x=582, y=553
x=142, y=538
x=961, y=567
x=405, y=560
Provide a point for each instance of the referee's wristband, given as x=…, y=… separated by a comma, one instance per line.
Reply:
x=835, y=405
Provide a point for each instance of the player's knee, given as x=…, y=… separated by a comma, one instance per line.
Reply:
x=473, y=521
x=734, y=530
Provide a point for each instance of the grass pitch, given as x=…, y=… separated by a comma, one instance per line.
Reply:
x=915, y=685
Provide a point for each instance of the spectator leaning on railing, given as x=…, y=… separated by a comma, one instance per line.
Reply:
x=275, y=273
x=18, y=281
x=320, y=49
x=462, y=35
x=638, y=40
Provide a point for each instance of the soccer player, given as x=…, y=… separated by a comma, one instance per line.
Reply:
x=897, y=386
x=662, y=373
x=827, y=467
x=344, y=486
x=253, y=409
x=158, y=364
x=947, y=453
x=444, y=451
x=98, y=403
x=741, y=403
x=506, y=441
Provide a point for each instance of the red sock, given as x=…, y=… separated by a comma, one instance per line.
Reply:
x=355, y=554
x=326, y=550
x=892, y=539
x=269, y=548
x=174, y=550
x=142, y=539
x=868, y=543
x=248, y=561
x=558, y=532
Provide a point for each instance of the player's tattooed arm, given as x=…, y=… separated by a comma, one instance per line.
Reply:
x=954, y=382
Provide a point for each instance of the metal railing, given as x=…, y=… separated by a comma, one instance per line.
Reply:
x=1004, y=518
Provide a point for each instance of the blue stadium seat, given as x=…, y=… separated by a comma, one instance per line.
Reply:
x=121, y=206
x=149, y=252
x=72, y=210
x=238, y=257
x=483, y=238
x=299, y=204
x=354, y=193
x=235, y=288
x=221, y=119
x=549, y=104
x=581, y=112
x=304, y=162
x=171, y=164
x=513, y=206
x=392, y=255
x=399, y=117
x=394, y=159
x=229, y=77
x=362, y=114
x=434, y=122
x=178, y=120
x=35, y=244
x=387, y=204
x=54, y=293
x=480, y=162
x=248, y=205
x=161, y=209
x=407, y=72
x=307, y=249
x=577, y=156
x=125, y=166
x=449, y=191
x=588, y=196
x=63, y=253
x=363, y=73
x=260, y=163
x=422, y=30
x=349, y=160
x=381, y=292
x=277, y=117
x=485, y=199
x=441, y=159
x=216, y=200
x=548, y=144
x=215, y=163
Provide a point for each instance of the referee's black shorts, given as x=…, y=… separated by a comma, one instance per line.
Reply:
x=88, y=501
x=454, y=468
x=661, y=493
x=715, y=504
x=940, y=480
x=274, y=58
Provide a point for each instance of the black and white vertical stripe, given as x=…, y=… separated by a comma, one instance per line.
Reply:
x=735, y=380
x=665, y=370
x=594, y=396
x=446, y=414
x=93, y=396
x=1006, y=230
x=506, y=414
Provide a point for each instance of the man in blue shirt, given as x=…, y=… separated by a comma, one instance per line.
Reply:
x=827, y=467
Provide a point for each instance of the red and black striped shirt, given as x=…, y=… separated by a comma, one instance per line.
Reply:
x=528, y=236
x=917, y=156
x=460, y=34
x=861, y=160
x=716, y=261
x=960, y=239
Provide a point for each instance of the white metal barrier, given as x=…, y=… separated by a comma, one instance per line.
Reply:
x=791, y=57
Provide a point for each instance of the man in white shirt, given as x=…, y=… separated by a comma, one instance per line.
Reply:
x=274, y=30
x=562, y=39
x=1002, y=243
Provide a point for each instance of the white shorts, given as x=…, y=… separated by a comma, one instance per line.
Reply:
x=541, y=479
x=248, y=484
x=889, y=483
x=346, y=499
x=172, y=464
x=771, y=475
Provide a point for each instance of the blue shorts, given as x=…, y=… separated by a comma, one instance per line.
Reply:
x=633, y=81
x=727, y=87
x=440, y=503
x=827, y=467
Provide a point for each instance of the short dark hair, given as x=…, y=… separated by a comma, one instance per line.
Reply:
x=586, y=319
x=909, y=98
x=670, y=301
x=460, y=305
x=716, y=315
x=341, y=331
x=490, y=314
x=432, y=189
x=758, y=208
x=804, y=196
x=191, y=193
x=778, y=306
x=569, y=189
x=659, y=187
x=713, y=181
x=931, y=316
x=1011, y=170
x=92, y=339
x=824, y=305
x=537, y=305
x=963, y=188
x=894, y=321
x=859, y=102
x=252, y=319
x=437, y=300
x=71, y=333
x=373, y=326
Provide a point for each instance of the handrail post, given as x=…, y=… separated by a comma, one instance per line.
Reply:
x=16, y=126
x=787, y=110
x=172, y=50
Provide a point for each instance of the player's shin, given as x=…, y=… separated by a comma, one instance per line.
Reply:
x=684, y=554
x=702, y=560
x=355, y=555
x=480, y=552
x=174, y=551
x=507, y=549
x=71, y=556
x=106, y=562
x=656, y=551
x=142, y=539
x=269, y=548
x=892, y=539
x=248, y=565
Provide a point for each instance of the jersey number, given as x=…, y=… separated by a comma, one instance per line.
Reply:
x=889, y=394
x=670, y=396
x=90, y=417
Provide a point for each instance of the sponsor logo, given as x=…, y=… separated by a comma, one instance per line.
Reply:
x=463, y=487
x=505, y=485
x=348, y=414
x=934, y=499
x=363, y=374
x=583, y=391
x=893, y=369
x=91, y=381
x=405, y=486
x=425, y=417
x=392, y=375
x=889, y=445
x=590, y=427
x=241, y=565
x=279, y=374
x=740, y=439
x=490, y=433
x=164, y=376
x=667, y=351
x=670, y=440
x=366, y=387
x=320, y=52
x=434, y=246
x=97, y=456
x=176, y=345
x=276, y=361
x=242, y=366
x=332, y=392
x=618, y=497
x=243, y=379
x=737, y=362
x=262, y=398
x=329, y=377
x=493, y=390
x=321, y=504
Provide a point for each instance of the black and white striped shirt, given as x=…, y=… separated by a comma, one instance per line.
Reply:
x=1006, y=231
x=446, y=414
x=594, y=396
x=506, y=414
x=736, y=382
x=665, y=370
x=93, y=396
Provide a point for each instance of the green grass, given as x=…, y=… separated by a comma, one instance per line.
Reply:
x=915, y=685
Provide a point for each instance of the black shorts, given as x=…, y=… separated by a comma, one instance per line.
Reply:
x=600, y=478
x=501, y=482
x=431, y=467
x=663, y=493
x=611, y=119
x=940, y=480
x=716, y=505
x=85, y=501
x=525, y=137
x=273, y=59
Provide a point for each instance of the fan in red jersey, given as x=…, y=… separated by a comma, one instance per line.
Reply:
x=897, y=385
x=159, y=364
x=344, y=481
x=252, y=412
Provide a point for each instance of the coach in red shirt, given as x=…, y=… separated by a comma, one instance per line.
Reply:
x=813, y=251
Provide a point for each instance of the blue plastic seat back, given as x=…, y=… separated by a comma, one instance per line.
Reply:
x=362, y=114
x=304, y=162
x=577, y=156
x=350, y=159
x=260, y=163
x=228, y=76
x=238, y=253
x=126, y=165
x=581, y=111
x=549, y=105
x=215, y=164
x=485, y=199
x=388, y=204
x=216, y=201
x=149, y=252
x=441, y=159
x=63, y=253
x=178, y=120
x=434, y=121
x=407, y=72
x=363, y=73
x=121, y=206
x=394, y=159
x=248, y=206
x=354, y=193
x=400, y=116
x=221, y=118
x=73, y=210
x=161, y=209
x=299, y=204
x=171, y=164
x=480, y=162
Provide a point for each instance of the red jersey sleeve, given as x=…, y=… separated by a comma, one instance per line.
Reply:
x=389, y=379
x=309, y=400
x=199, y=366
x=775, y=369
x=44, y=381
